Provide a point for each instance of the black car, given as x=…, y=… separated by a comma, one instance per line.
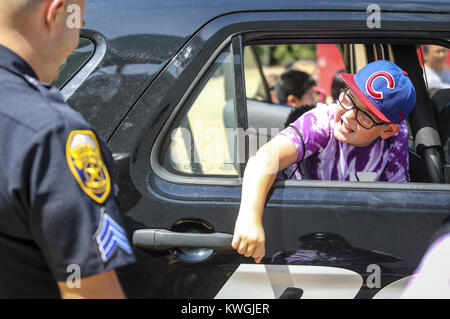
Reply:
x=178, y=89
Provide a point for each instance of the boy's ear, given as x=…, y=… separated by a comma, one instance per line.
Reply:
x=389, y=130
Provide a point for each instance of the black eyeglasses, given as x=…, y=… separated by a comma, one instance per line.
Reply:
x=363, y=118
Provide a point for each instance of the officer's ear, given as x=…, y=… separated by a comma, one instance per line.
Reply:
x=389, y=130
x=54, y=13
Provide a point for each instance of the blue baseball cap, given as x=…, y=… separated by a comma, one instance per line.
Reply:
x=385, y=89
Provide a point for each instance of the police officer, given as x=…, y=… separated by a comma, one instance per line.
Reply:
x=61, y=233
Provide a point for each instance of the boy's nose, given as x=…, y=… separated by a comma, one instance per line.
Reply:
x=349, y=114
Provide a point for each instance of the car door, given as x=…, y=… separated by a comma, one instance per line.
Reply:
x=181, y=152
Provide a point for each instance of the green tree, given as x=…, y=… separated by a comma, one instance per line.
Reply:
x=285, y=53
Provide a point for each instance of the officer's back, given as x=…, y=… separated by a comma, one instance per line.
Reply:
x=58, y=212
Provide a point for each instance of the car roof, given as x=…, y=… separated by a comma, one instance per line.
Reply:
x=183, y=17
x=142, y=36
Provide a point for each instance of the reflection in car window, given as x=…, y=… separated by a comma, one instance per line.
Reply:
x=202, y=141
x=75, y=62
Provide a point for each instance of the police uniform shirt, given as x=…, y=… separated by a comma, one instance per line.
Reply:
x=58, y=213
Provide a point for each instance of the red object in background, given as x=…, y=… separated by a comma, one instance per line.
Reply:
x=329, y=61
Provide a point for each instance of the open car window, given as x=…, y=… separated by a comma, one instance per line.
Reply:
x=323, y=63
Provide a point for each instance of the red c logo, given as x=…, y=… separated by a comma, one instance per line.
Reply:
x=382, y=74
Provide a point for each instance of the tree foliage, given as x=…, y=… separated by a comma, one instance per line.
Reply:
x=285, y=53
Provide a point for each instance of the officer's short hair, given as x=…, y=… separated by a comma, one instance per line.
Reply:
x=19, y=5
x=293, y=82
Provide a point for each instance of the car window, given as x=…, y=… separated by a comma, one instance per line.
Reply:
x=75, y=62
x=320, y=61
x=435, y=61
x=201, y=142
x=323, y=63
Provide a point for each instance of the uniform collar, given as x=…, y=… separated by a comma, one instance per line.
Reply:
x=14, y=63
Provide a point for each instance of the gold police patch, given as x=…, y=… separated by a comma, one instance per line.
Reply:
x=86, y=164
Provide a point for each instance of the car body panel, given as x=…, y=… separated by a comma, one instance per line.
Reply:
x=151, y=66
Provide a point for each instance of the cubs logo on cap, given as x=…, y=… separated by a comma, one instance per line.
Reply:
x=385, y=90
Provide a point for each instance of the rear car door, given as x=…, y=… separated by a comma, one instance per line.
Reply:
x=181, y=152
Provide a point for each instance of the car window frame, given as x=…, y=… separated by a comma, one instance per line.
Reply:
x=345, y=36
x=88, y=67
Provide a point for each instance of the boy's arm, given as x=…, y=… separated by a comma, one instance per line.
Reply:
x=397, y=167
x=260, y=173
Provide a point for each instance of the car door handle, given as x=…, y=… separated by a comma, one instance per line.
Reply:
x=165, y=239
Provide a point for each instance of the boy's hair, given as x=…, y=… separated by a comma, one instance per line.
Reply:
x=337, y=84
x=293, y=82
x=296, y=113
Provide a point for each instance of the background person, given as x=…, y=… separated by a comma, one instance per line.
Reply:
x=295, y=88
x=59, y=219
x=437, y=74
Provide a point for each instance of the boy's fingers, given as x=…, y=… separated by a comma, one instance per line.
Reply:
x=250, y=249
x=242, y=247
x=236, y=241
x=258, y=254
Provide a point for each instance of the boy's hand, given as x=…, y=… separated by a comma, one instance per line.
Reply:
x=249, y=238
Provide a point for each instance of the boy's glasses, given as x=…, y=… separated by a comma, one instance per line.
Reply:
x=363, y=119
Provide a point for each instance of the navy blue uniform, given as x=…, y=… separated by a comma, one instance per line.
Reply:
x=57, y=201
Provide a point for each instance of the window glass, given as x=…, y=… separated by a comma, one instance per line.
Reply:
x=75, y=62
x=256, y=88
x=202, y=140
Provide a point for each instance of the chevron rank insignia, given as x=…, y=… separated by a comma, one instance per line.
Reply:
x=110, y=237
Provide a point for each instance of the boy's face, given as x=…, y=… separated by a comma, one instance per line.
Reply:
x=346, y=127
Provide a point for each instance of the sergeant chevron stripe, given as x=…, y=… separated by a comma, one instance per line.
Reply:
x=110, y=236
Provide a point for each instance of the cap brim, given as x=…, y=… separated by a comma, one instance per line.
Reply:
x=350, y=81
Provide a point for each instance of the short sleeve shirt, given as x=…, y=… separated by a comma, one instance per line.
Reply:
x=58, y=212
x=437, y=80
x=326, y=158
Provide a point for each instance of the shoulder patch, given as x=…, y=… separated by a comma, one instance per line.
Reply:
x=86, y=164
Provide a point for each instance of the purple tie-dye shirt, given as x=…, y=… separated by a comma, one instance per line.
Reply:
x=328, y=159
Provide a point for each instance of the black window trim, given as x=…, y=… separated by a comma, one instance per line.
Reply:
x=240, y=101
x=341, y=37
